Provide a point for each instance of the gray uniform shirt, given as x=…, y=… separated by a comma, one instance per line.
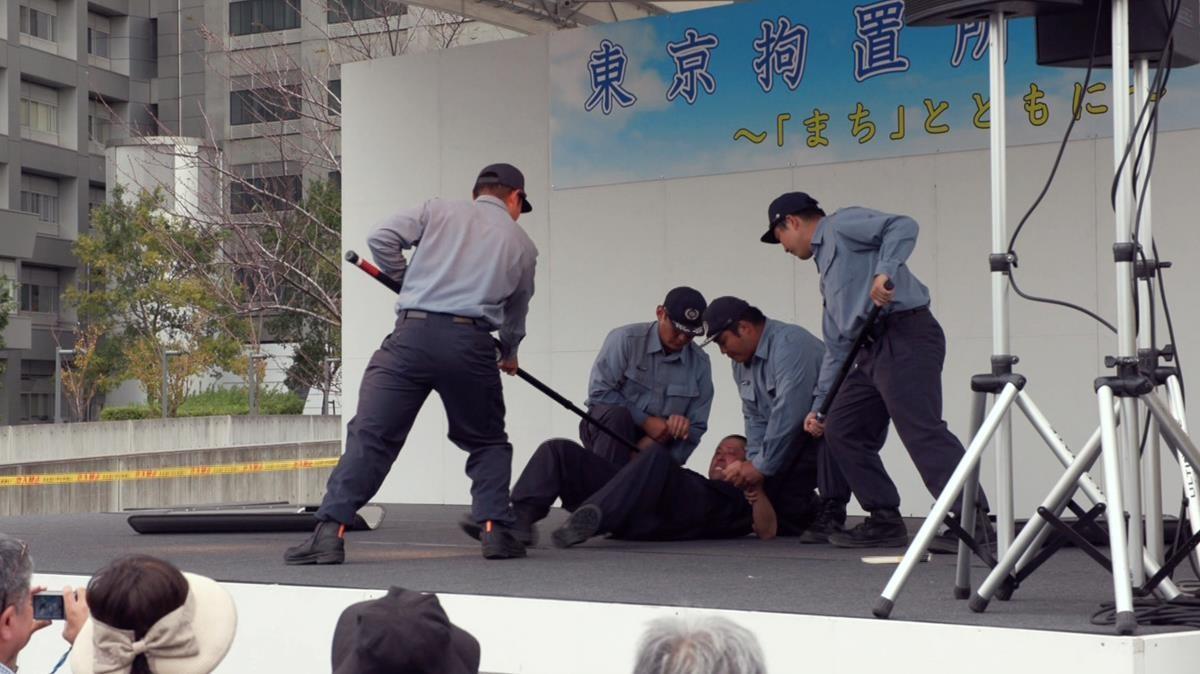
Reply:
x=470, y=259
x=851, y=247
x=633, y=371
x=776, y=387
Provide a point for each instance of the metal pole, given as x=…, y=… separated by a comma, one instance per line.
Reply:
x=997, y=45
x=163, y=393
x=252, y=376
x=1126, y=331
x=1151, y=458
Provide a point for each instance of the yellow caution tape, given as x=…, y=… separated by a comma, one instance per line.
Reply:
x=165, y=473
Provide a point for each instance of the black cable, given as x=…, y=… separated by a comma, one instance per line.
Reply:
x=1076, y=113
x=1179, y=611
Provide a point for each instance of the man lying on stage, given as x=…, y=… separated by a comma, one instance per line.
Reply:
x=654, y=499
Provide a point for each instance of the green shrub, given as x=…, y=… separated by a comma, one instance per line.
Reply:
x=127, y=413
x=236, y=401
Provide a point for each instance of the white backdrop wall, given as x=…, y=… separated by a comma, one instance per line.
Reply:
x=421, y=126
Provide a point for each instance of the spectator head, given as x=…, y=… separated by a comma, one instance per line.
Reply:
x=403, y=631
x=148, y=617
x=16, y=600
x=698, y=646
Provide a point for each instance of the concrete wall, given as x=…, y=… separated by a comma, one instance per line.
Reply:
x=21, y=445
x=609, y=254
x=299, y=486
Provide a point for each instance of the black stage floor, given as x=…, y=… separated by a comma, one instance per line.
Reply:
x=419, y=547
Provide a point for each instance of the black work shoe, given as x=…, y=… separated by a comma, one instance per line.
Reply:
x=324, y=546
x=580, y=526
x=525, y=532
x=498, y=542
x=831, y=520
x=946, y=543
x=881, y=529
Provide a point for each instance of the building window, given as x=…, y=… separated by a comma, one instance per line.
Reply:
x=269, y=193
x=39, y=108
x=97, y=43
x=262, y=16
x=251, y=106
x=39, y=290
x=37, y=23
x=335, y=96
x=40, y=196
x=341, y=11
x=98, y=122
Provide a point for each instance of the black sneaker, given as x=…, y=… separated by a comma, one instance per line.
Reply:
x=525, y=532
x=325, y=546
x=881, y=529
x=580, y=526
x=831, y=520
x=498, y=542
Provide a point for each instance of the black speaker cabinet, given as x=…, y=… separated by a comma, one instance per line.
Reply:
x=1065, y=40
x=948, y=12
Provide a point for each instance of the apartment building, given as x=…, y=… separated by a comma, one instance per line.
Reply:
x=258, y=79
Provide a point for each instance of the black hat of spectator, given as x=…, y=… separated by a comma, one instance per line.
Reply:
x=403, y=631
x=507, y=175
x=722, y=314
x=685, y=307
x=784, y=205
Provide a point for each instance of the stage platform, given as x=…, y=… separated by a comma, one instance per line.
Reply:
x=810, y=605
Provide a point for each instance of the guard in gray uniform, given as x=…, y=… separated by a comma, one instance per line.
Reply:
x=471, y=273
x=775, y=367
x=898, y=375
x=651, y=384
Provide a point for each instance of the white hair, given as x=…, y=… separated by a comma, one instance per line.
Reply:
x=709, y=645
x=16, y=570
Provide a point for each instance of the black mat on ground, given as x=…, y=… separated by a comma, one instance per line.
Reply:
x=421, y=548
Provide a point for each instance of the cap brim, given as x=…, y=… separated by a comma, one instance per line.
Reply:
x=214, y=624
x=769, y=237
x=526, y=207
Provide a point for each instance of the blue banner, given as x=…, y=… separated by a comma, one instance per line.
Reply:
x=779, y=83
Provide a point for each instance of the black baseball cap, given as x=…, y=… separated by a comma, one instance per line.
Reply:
x=508, y=175
x=403, y=631
x=722, y=314
x=685, y=307
x=783, y=206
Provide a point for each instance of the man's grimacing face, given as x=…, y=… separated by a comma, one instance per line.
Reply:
x=728, y=451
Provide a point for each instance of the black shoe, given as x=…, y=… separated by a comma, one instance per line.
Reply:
x=498, y=542
x=580, y=526
x=881, y=529
x=831, y=520
x=324, y=546
x=946, y=543
x=523, y=531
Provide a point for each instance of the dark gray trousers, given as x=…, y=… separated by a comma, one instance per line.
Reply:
x=616, y=419
x=432, y=354
x=898, y=377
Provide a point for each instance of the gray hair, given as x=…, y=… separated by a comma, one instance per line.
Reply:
x=710, y=645
x=16, y=571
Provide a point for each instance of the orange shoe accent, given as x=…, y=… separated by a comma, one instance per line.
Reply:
x=341, y=531
x=488, y=526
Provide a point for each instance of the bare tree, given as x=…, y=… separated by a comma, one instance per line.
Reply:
x=274, y=212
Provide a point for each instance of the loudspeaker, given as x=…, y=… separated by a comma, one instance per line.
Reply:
x=1065, y=40
x=947, y=12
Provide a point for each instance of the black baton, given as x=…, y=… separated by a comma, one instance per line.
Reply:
x=375, y=273
x=859, y=342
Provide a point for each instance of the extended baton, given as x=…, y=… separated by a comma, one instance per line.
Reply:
x=859, y=342
x=374, y=272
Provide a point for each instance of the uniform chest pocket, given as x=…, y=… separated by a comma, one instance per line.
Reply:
x=680, y=397
x=746, y=390
x=641, y=379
